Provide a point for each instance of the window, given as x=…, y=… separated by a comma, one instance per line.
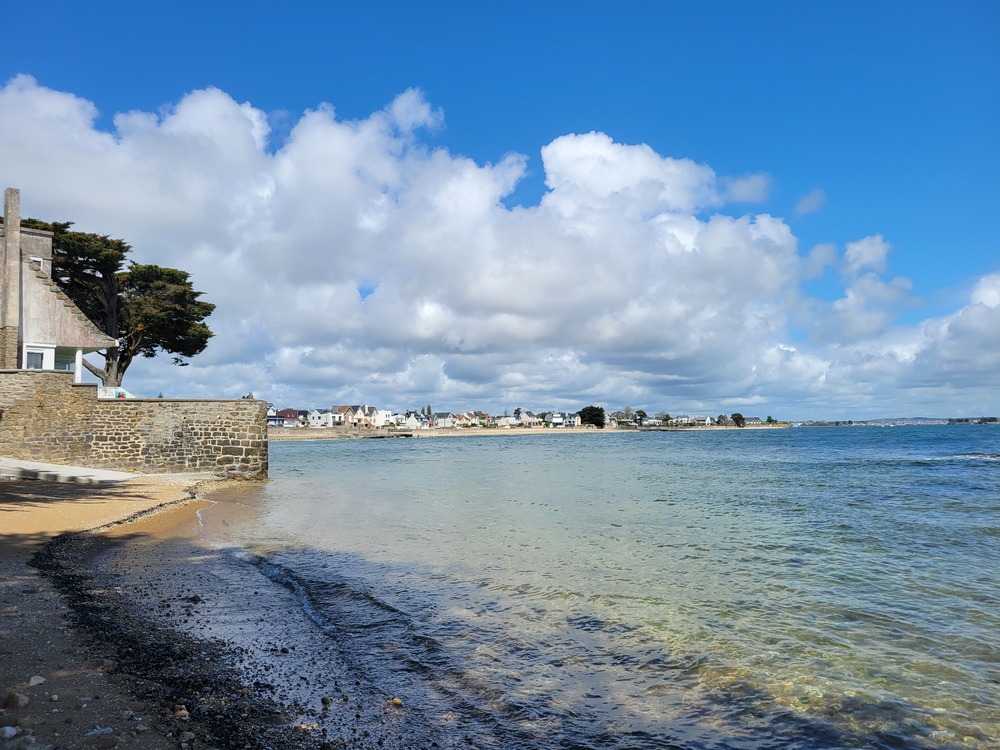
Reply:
x=34, y=361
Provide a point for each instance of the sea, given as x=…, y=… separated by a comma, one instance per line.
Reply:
x=744, y=589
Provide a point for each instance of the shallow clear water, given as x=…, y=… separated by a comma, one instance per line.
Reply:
x=734, y=589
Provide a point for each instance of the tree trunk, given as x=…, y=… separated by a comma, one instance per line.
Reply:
x=111, y=374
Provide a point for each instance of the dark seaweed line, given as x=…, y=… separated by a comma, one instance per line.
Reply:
x=171, y=668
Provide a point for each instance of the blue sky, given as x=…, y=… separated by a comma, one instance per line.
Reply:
x=841, y=123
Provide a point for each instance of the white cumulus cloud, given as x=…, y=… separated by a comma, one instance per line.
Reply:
x=357, y=263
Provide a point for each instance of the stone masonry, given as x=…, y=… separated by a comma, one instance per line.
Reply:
x=46, y=417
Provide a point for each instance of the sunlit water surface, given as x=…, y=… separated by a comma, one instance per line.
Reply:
x=807, y=588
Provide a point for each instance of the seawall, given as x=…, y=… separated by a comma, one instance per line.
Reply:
x=44, y=416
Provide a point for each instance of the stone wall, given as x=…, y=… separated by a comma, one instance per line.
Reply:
x=45, y=417
x=9, y=349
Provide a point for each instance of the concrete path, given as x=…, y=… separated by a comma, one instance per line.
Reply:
x=14, y=468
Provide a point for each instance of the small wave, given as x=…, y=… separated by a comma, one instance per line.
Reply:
x=286, y=578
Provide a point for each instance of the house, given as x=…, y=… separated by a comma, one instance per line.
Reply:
x=320, y=418
x=289, y=418
x=563, y=419
x=478, y=418
x=40, y=328
x=752, y=420
x=415, y=420
x=528, y=419
x=687, y=419
x=362, y=416
x=620, y=419
x=442, y=420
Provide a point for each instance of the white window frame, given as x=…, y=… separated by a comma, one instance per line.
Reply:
x=47, y=351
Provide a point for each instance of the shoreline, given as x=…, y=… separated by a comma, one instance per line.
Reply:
x=127, y=630
x=279, y=434
x=81, y=664
x=57, y=687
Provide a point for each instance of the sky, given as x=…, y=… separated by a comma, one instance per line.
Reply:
x=775, y=208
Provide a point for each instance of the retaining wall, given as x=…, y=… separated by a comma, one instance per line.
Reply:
x=46, y=417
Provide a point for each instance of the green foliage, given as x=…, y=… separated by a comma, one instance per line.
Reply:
x=148, y=308
x=162, y=312
x=738, y=419
x=592, y=415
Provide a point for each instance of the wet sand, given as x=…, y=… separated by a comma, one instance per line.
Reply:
x=148, y=636
x=81, y=663
x=56, y=688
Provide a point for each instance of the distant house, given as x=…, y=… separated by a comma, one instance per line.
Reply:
x=687, y=419
x=358, y=415
x=290, y=418
x=414, y=420
x=619, y=419
x=753, y=420
x=442, y=420
x=320, y=418
x=528, y=419
x=478, y=418
x=563, y=419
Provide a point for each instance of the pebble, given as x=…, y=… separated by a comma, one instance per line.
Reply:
x=53, y=697
x=21, y=743
x=7, y=733
x=36, y=680
x=15, y=700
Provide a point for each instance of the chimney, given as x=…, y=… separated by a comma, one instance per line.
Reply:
x=10, y=282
